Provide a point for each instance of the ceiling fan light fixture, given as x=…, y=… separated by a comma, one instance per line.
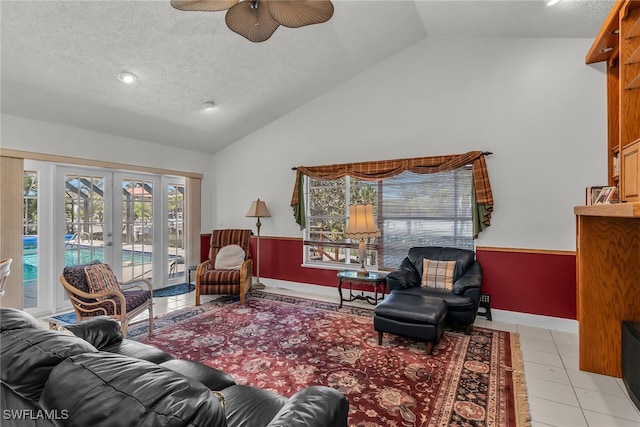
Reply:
x=127, y=77
x=252, y=20
x=257, y=20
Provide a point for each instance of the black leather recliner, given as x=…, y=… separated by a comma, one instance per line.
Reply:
x=462, y=301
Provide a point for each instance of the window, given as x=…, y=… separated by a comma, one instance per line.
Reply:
x=328, y=203
x=411, y=210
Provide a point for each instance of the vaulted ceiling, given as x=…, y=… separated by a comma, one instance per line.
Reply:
x=60, y=59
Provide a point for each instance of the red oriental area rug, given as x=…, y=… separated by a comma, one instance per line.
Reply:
x=284, y=344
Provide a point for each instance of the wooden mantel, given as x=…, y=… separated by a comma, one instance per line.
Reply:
x=621, y=210
x=608, y=270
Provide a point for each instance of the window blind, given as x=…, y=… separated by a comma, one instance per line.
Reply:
x=424, y=210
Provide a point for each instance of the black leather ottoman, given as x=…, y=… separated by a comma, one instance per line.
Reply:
x=414, y=316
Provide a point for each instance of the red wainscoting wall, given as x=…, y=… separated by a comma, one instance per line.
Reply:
x=534, y=282
x=520, y=280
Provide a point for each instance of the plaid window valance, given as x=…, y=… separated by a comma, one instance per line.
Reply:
x=378, y=170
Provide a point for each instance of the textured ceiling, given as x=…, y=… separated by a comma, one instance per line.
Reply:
x=520, y=18
x=60, y=59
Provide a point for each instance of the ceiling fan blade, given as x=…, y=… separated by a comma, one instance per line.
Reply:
x=253, y=23
x=298, y=13
x=203, y=5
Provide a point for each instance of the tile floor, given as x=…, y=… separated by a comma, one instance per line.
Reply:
x=559, y=393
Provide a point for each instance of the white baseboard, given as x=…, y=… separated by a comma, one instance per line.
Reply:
x=534, y=320
x=300, y=287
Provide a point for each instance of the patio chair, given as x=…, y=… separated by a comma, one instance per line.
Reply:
x=94, y=290
x=174, y=263
x=5, y=270
x=217, y=275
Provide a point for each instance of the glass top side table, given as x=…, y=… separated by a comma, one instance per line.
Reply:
x=378, y=280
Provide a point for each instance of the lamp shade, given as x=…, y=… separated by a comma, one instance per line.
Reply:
x=258, y=209
x=361, y=225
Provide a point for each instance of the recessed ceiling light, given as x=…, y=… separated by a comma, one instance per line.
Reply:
x=553, y=2
x=127, y=77
x=606, y=49
x=209, y=105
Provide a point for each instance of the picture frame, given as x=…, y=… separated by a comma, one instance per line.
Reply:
x=592, y=193
x=606, y=195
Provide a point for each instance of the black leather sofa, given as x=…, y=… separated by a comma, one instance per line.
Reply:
x=97, y=378
x=462, y=301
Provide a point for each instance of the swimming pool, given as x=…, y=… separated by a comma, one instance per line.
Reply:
x=75, y=255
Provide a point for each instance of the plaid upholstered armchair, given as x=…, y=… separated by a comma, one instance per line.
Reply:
x=94, y=290
x=229, y=267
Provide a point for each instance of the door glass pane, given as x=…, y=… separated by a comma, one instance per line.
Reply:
x=137, y=230
x=84, y=219
x=30, y=240
x=175, y=218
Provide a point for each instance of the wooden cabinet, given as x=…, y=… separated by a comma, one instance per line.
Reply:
x=630, y=178
x=608, y=236
x=618, y=43
x=608, y=268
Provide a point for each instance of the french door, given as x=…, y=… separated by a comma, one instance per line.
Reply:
x=73, y=215
x=124, y=219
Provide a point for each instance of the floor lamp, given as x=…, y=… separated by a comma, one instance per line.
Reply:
x=258, y=210
x=362, y=225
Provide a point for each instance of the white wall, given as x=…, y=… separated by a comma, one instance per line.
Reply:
x=30, y=135
x=532, y=102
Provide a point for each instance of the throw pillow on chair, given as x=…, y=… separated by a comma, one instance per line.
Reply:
x=101, y=278
x=229, y=257
x=437, y=274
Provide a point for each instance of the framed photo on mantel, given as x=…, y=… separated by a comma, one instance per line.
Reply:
x=607, y=195
x=592, y=193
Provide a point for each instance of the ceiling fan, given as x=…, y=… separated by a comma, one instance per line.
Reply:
x=257, y=20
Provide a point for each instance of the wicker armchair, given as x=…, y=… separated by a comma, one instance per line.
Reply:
x=133, y=297
x=210, y=281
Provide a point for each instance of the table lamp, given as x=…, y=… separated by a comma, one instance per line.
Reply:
x=361, y=226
